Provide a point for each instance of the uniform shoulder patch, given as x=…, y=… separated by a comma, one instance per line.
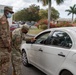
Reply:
x=3, y=20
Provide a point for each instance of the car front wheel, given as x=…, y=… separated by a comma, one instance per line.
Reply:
x=66, y=73
x=24, y=59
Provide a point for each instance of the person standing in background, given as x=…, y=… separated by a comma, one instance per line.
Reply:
x=5, y=46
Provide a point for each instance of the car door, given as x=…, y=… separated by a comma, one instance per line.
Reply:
x=55, y=51
x=36, y=52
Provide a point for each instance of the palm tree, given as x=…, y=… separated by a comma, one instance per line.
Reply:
x=49, y=2
x=72, y=11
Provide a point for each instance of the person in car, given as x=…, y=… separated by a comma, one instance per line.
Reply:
x=17, y=36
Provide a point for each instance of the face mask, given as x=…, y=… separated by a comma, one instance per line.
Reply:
x=9, y=15
x=25, y=32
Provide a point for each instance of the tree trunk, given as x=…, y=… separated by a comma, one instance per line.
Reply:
x=49, y=13
x=72, y=17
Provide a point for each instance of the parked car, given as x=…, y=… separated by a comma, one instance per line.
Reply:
x=14, y=26
x=53, y=51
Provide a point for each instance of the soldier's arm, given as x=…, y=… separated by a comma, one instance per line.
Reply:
x=9, y=36
x=26, y=38
x=8, y=29
x=16, y=41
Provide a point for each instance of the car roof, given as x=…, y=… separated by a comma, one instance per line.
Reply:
x=70, y=29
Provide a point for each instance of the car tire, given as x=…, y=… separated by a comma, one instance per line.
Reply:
x=24, y=59
x=66, y=73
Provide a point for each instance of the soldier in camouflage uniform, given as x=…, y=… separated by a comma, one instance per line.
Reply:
x=5, y=41
x=17, y=37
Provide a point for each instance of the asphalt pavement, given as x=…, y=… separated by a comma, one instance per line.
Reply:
x=31, y=71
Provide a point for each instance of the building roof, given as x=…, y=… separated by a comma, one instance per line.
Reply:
x=64, y=19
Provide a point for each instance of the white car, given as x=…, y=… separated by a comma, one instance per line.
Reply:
x=53, y=51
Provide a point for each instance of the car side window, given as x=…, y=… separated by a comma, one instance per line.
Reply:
x=42, y=38
x=61, y=39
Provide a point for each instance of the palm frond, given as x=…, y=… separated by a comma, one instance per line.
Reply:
x=44, y=2
x=68, y=10
x=69, y=13
x=59, y=2
x=71, y=8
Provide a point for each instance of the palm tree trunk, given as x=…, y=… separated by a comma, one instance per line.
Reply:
x=72, y=17
x=49, y=13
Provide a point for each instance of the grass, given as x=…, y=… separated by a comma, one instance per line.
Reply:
x=34, y=31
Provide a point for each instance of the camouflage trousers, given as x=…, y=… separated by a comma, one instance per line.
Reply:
x=16, y=61
x=5, y=61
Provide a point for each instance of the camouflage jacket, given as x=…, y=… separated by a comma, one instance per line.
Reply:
x=4, y=32
x=17, y=37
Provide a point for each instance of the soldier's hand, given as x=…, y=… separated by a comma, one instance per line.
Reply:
x=9, y=48
x=33, y=39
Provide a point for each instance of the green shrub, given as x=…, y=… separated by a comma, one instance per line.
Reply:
x=64, y=24
x=44, y=27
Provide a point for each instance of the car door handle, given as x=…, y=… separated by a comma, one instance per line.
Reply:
x=61, y=54
x=40, y=50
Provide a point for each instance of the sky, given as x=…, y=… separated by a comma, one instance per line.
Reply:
x=20, y=4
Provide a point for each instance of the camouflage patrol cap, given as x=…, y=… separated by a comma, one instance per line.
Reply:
x=25, y=26
x=8, y=9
